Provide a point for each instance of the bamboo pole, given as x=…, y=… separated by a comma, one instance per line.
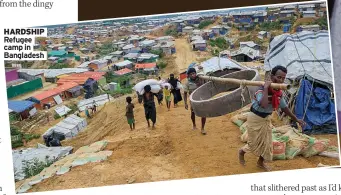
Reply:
x=245, y=82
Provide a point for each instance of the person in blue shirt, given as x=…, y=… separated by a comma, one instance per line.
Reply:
x=258, y=123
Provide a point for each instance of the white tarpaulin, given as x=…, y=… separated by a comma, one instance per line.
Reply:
x=99, y=100
x=58, y=99
x=212, y=65
x=62, y=110
x=305, y=53
x=68, y=127
x=41, y=153
x=33, y=111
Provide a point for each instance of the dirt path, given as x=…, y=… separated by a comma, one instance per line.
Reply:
x=185, y=56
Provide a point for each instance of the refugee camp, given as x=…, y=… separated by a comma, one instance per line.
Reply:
x=175, y=96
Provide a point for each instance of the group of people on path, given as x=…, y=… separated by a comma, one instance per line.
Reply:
x=265, y=101
x=149, y=103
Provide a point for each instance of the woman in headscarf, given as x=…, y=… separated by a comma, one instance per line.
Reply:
x=258, y=123
x=175, y=91
x=149, y=105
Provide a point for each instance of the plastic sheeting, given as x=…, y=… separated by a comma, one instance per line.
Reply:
x=100, y=100
x=87, y=154
x=211, y=65
x=41, y=153
x=68, y=127
x=302, y=53
x=19, y=106
x=320, y=113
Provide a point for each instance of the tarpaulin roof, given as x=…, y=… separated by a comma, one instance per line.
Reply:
x=211, y=65
x=305, y=53
x=123, y=71
x=81, y=78
x=318, y=110
x=123, y=63
x=147, y=65
x=19, y=106
x=55, y=91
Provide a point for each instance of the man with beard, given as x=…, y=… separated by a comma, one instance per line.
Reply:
x=175, y=91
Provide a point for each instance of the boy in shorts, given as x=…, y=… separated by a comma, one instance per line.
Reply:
x=130, y=113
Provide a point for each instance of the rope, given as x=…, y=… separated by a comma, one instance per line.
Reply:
x=244, y=87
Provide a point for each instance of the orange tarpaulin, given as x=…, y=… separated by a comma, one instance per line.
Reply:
x=143, y=66
x=55, y=91
x=123, y=71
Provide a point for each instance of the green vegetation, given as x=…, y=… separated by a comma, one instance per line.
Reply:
x=105, y=49
x=158, y=52
x=323, y=22
x=18, y=137
x=219, y=42
x=268, y=26
x=34, y=167
x=162, y=64
x=171, y=32
x=205, y=23
x=59, y=66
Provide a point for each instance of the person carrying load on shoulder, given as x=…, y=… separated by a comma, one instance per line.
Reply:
x=265, y=101
x=149, y=105
x=193, y=82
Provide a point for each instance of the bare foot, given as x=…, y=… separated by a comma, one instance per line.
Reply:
x=203, y=132
x=241, y=157
x=264, y=167
x=194, y=128
x=153, y=128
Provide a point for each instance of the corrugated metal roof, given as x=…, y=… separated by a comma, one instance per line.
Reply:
x=306, y=6
x=124, y=63
x=19, y=106
x=132, y=55
x=128, y=46
x=309, y=12
x=147, y=56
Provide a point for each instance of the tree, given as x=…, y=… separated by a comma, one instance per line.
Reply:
x=205, y=23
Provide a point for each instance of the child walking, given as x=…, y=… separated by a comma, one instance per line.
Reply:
x=167, y=94
x=130, y=113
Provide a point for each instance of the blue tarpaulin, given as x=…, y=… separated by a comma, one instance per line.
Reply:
x=19, y=106
x=320, y=114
